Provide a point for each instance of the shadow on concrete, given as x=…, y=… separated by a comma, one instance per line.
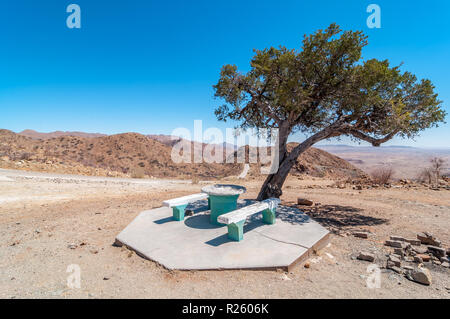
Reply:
x=287, y=214
x=292, y=215
x=199, y=206
x=222, y=239
x=200, y=222
x=164, y=220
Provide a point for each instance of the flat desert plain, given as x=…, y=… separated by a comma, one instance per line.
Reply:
x=406, y=162
x=49, y=221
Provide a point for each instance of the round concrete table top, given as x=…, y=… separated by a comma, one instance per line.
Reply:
x=224, y=189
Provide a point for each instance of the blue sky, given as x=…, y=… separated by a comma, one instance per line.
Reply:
x=149, y=66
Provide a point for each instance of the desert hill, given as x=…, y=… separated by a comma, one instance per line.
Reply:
x=137, y=155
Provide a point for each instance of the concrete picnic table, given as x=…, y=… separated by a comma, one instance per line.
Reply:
x=222, y=199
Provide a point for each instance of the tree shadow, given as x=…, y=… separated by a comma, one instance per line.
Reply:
x=337, y=217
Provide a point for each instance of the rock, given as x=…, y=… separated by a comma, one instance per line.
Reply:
x=285, y=277
x=421, y=275
x=361, y=234
x=428, y=239
x=398, y=270
x=414, y=242
x=437, y=262
x=72, y=246
x=445, y=264
x=304, y=201
x=366, y=256
x=420, y=249
x=399, y=251
x=307, y=265
x=448, y=251
x=395, y=243
x=397, y=238
x=423, y=257
x=437, y=251
x=418, y=259
x=117, y=243
x=408, y=267
x=189, y=212
x=395, y=259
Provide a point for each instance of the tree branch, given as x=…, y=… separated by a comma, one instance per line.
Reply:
x=374, y=141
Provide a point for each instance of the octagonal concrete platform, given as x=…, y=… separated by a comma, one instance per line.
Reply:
x=195, y=244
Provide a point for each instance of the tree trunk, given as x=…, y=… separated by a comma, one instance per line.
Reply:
x=274, y=182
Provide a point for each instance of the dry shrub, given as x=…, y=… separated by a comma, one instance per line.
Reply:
x=426, y=175
x=137, y=172
x=382, y=175
x=195, y=180
x=433, y=173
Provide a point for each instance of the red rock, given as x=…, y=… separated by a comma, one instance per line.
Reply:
x=304, y=201
x=424, y=257
x=428, y=239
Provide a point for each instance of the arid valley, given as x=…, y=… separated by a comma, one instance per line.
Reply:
x=63, y=201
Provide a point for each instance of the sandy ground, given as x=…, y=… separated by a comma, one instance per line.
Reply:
x=41, y=215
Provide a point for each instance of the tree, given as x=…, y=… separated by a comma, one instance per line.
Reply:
x=325, y=90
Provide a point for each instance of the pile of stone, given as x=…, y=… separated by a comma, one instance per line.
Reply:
x=410, y=255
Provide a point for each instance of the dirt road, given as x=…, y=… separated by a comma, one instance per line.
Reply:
x=49, y=222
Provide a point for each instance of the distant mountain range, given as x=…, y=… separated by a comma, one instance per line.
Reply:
x=151, y=154
x=407, y=161
x=44, y=136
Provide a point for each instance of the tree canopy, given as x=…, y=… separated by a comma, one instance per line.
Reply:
x=325, y=90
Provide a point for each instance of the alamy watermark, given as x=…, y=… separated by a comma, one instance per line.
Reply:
x=211, y=146
x=74, y=279
x=74, y=19
x=373, y=281
x=374, y=20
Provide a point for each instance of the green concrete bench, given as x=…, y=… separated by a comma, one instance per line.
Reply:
x=235, y=220
x=179, y=204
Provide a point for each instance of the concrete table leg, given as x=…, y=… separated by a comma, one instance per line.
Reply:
x=221, y=205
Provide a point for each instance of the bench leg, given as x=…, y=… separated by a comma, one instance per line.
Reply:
x=178, y=212
x=236, y=231
x=269, y=216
